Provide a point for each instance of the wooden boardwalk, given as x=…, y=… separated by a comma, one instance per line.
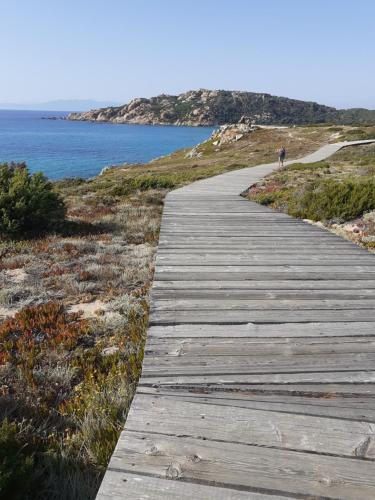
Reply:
x=259, y=373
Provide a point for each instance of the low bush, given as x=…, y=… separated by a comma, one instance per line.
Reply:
x=35, y=329
x=335, y=129
x=28, y=204
x=358, y=134
x=16, y=461
x=307, y=166
x=330, y=199
x=144, y=183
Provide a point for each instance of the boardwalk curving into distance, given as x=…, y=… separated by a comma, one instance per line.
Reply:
x=259, y=373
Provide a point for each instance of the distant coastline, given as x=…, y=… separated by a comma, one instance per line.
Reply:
x=67, y=105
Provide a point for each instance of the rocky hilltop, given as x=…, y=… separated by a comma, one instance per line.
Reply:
x=217, y=107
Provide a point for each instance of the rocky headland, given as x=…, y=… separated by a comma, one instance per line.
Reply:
x=217, y=107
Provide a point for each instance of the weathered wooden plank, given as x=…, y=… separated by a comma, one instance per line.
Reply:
x=247, y=467
x=246, y=260
x=230, y=216
x=256, y=316
x=257, y=248
x=252, y=245
x=285, y=284
x=322, y=377
x=324, y=239
x=263, y=331
x=119, y=485
x=255, y=234
x=176, y=273
x=245, y=399
x=248, y=294
x=249, y=222
x=158, y=414
x=339, y=406
x=264, y=273
x=228, y=346
x=270, y=253
x=289, y=269
x=234, y=232
x=313, y=391
x=260, y=304
x=247, y=227
x=246, y=366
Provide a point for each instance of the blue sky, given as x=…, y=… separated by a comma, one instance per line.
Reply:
x=119, y=49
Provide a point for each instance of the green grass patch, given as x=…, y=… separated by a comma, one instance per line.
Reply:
x=307, y=166
x=358, y=134
x=144, y=183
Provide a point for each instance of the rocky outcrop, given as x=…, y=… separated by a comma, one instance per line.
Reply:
x=232, y=132
x=225, y=134
x=218, y=107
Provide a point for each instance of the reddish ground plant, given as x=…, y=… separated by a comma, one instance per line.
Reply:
x=35, y=329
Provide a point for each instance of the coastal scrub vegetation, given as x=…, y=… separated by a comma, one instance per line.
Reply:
x=329, y=199
x=28, y=204
x=72, y=344
x=64, y=395
x=74, y=304
x=358, y=133
x=339, y=192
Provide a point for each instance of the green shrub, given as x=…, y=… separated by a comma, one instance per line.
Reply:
x=28, y=204
x=266, y=198
x=307, y=166
x=358, y=134
x=330, y=199
x=70, y=182
x=144, y=183
x=335, y=129
x=182, y=109
x=16, y=463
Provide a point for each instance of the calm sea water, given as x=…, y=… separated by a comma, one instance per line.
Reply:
x=62, y=148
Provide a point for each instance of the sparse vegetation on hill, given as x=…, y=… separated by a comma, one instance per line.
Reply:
x=67, y=377
x=217, y=107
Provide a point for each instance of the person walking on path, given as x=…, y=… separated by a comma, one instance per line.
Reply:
x=282, y=154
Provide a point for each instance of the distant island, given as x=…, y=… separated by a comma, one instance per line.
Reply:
x=58, y=105
x=217, y=107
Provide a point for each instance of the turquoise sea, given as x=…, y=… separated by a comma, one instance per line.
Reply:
x=62, y=148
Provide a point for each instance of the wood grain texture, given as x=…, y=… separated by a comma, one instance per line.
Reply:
x=119, y=483
x=258, y=379
x=245, y=466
